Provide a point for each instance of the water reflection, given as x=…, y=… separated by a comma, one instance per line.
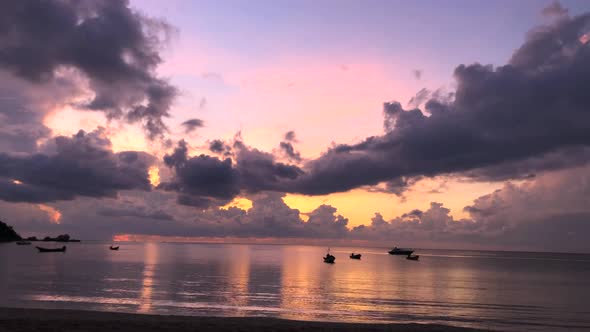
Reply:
x=147, y=282
x=292, y=282
x=237, y=270
x=298, y=284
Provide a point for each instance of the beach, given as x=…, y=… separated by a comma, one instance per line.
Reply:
x=48, y=320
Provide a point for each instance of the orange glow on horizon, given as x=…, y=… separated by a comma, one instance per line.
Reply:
x=122, y=238
x=239, y=202
x=243, y=240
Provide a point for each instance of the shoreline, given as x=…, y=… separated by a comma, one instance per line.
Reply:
x=25, y=320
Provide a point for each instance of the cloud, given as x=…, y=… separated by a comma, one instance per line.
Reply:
x=157, y=213
x=417, y=73
x=201, y=180
x=549, y=213
x=528, y=168
x=398, y=186
x=20, y=128
x=289, y=150
x=554, y=9
x=260, y=172
x=420, y=97
x=205, y=180
x=23, y=107
x=81, y=165
x=324, y=222
x=220, y=147
x=286, y=146
x=522, y=113
x=139, y=213
x=290, y=136
x=192, y=124
x=112, y=47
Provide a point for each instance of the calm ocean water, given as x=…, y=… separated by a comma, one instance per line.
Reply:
x=495, y=290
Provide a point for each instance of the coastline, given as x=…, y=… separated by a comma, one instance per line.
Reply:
x=26, y=320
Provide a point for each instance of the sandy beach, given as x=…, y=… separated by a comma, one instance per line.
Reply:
x=21, y=320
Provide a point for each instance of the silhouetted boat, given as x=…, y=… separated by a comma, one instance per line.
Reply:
x=41, y=249
x=413, y=257
x=355, y=256
x=329, y=258
x=23, y=243
x=114, y=248
x=400, y=251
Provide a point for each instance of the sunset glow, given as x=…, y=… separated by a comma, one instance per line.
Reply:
x=357, y=128
x=53, y=214
x=295, y=165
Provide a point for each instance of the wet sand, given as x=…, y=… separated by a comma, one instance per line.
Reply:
x=21, y=320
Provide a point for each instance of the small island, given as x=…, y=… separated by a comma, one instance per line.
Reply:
x=59, y=238
x=7, y=234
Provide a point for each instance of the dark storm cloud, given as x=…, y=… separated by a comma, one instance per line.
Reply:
x=398, y=186
x=20, y=130
x=202, y=179
x=113, y=47
x=23, y=107
x=192, y=124
x=220, y=147
x=535, y=106
x=528, y=168
x=81, y=165
x=259, y=171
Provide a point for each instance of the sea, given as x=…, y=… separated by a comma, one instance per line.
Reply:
x=505, y=291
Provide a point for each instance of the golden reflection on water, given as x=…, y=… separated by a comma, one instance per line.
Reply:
x=147, y=282
x=238, y=272
x=299, y=282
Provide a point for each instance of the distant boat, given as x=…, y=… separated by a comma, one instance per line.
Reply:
x=114, y=248
x=400, y=251
x=41, y=249
x=329, y=258
x=23, y=243
x=413, y=257
x=355, y=256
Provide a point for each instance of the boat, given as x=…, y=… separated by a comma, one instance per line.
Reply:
x=413, y=257
x=400, y=251
x=329, y=258
x=23, y=243
x=41, y=249
x=114, y=248
x=355, y=256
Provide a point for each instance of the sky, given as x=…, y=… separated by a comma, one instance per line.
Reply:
x=458, y=124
